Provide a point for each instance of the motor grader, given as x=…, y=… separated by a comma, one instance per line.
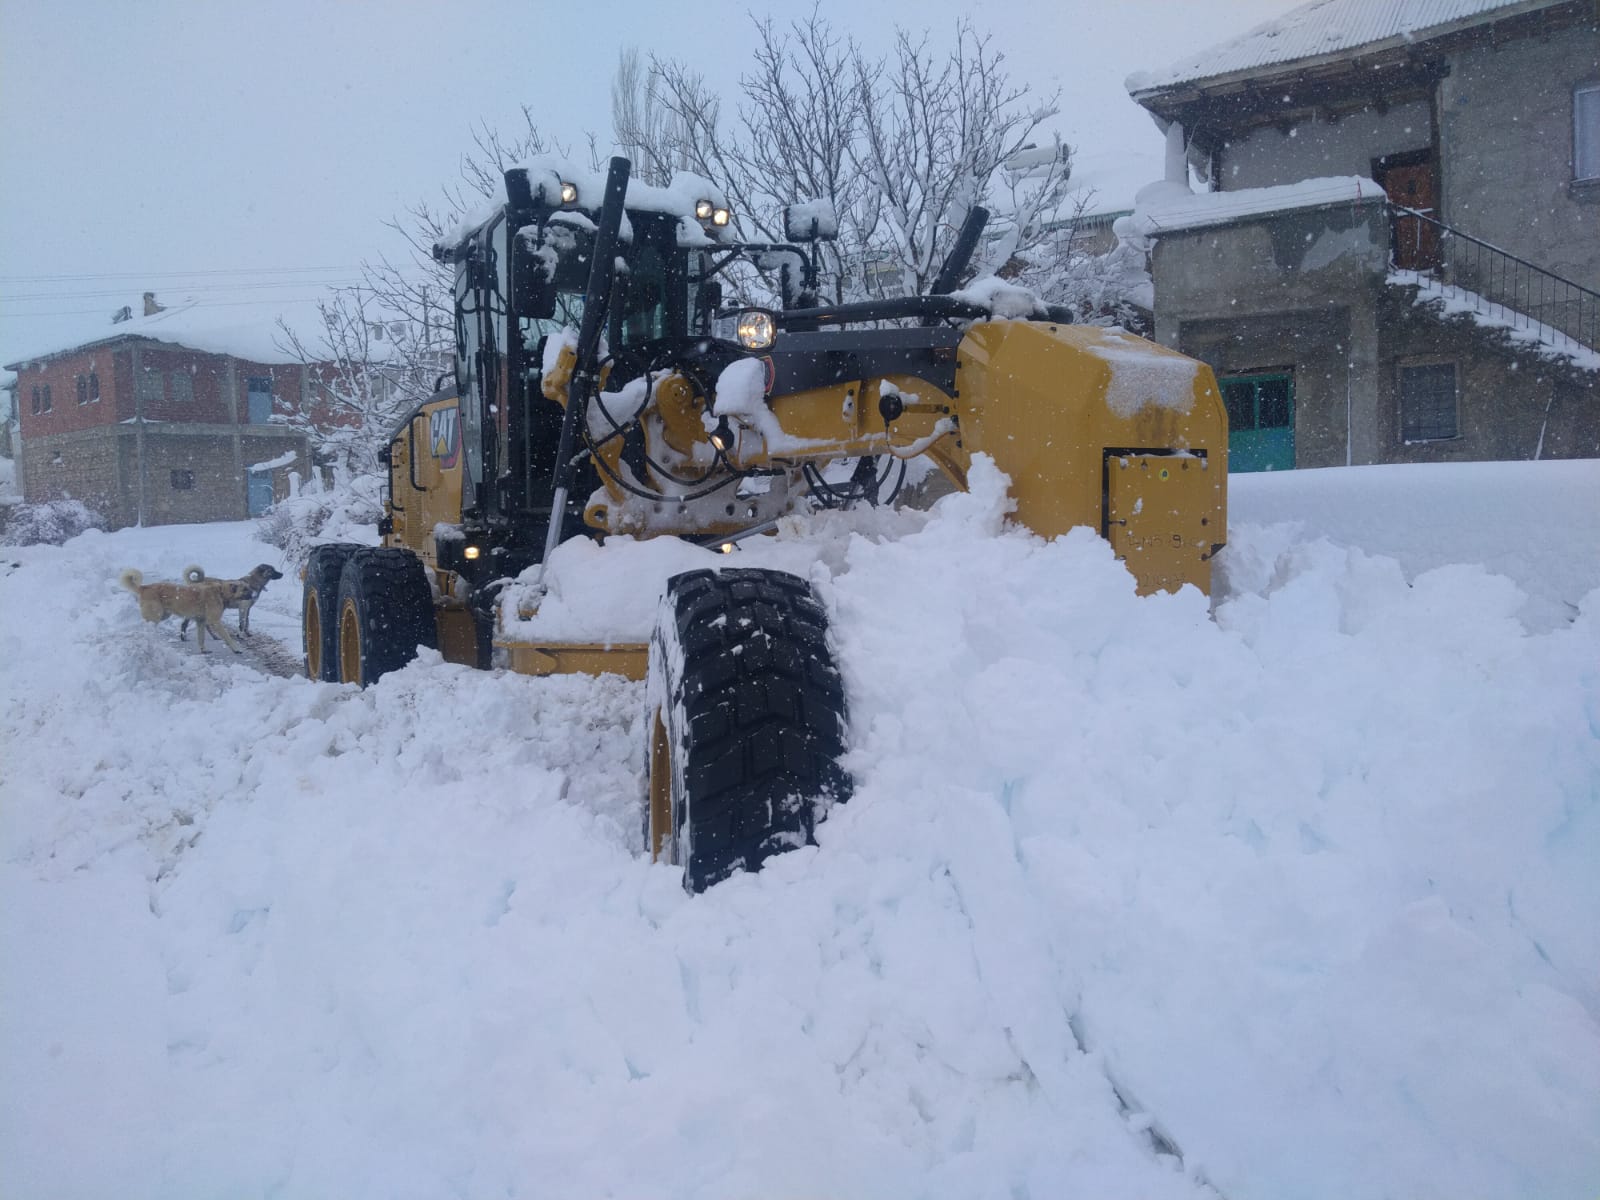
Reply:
x=602, y=387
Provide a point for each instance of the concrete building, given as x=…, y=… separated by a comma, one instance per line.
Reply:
x=1398, y=255
x=173, y=417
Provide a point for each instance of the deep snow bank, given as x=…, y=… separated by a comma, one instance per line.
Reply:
x=1311, y=879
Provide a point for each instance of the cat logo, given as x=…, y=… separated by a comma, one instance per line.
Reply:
x=444, y=435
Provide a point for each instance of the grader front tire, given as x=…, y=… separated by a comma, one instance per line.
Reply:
x=747, y=723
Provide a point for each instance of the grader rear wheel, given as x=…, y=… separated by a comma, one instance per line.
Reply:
x=385, y=612
x=747, y=722
x=319, y=610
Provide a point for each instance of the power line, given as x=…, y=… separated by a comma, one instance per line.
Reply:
x=203, y=287
x=180, y=274
x=74, y=312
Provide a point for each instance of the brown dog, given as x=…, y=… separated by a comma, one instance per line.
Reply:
x=200, y=603
x=236, y=593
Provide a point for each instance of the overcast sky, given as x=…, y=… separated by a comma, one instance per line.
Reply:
x=141, y=139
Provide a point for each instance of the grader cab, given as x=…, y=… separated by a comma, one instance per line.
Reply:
x=602, y=387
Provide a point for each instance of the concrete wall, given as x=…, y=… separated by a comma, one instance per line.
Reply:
x=1267, y=156
x=1505, y=117
x=1294, y=290
x=1313, y=347
x=1511, y=403
x=101, y=467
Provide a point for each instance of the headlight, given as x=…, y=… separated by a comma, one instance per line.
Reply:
x=471, y=553
x=569, y=193
x=720, y=216
x=756, y=329
x=703, y=209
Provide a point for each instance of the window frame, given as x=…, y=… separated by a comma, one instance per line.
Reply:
x=1584, y=171
x=1455, y=399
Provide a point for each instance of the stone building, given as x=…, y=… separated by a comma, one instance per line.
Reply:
x=173, y=417
x=1397, y=257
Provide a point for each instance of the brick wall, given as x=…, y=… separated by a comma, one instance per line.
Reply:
x=61, y=376
x=83, y=466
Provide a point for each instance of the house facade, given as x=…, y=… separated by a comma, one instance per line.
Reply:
x=166, y=419
x=1397, y=257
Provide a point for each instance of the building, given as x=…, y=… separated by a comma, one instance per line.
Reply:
x=1396, y=257
x=179, y=415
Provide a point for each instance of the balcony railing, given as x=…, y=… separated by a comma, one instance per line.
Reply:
x=1511, y=291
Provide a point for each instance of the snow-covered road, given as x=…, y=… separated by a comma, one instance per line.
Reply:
x=1305, y=889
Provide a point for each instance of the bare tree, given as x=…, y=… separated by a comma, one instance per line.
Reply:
x=355, y=401
x=936, y=133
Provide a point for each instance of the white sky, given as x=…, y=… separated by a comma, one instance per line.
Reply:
x=141, y=140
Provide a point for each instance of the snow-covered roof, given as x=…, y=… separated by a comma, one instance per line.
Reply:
x=1167, y=208
x=1108, y=180
x=251, y=334
x=1326, y=29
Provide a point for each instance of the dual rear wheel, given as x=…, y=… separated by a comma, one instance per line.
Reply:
x=365, y=610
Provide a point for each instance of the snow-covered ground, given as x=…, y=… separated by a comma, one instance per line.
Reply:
x=1305, y=890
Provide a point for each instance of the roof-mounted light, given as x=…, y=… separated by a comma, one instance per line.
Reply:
x=720, y=216
x=703, y=209
x=569, y=192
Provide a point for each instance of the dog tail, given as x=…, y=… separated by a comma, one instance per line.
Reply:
x=131, y=580
x=193, y=574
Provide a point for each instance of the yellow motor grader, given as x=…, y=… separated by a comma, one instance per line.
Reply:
x=603, y=387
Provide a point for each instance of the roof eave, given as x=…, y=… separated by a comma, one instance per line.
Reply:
x=1164, y=98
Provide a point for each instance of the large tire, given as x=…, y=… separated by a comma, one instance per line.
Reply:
x=319, y=610
x=747, y=722
x=385, y=613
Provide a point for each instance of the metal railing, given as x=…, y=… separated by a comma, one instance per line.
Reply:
x=1509, y=290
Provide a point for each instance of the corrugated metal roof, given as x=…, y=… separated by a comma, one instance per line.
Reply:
x=1325, y=28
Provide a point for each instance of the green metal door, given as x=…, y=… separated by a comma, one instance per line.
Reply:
x=1260, y=421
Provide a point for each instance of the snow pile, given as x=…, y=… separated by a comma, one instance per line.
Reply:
x=51, y=522
x=347, y=510
x=1304, y=890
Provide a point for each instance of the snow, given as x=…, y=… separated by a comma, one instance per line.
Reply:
x=211, y=329
x=1306, y=885
x=1320, y=30
x=285, y=459
x=1167, y=208
x=1451, y=300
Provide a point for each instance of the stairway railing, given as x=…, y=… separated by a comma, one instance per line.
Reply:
x=1509, y=289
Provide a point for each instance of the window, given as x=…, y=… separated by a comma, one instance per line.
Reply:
x=36, y=402
x=182, y=387
x=150, y=386
x=83, y=389
x=258, y=399
x=1428, y=403
x=1586, y=132
x=46, y=405
x=183, y=481
x=94, y=386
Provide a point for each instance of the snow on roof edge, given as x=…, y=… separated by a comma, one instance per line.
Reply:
x=1324, y=30
x=1160, y=210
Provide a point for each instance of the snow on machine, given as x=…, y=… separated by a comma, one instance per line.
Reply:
x=603, y=389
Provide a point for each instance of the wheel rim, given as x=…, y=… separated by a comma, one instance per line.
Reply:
x=661, y=832
x=349, y=643
x=313, y=634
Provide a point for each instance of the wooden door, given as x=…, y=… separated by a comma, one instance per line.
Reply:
x=1416, y=243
